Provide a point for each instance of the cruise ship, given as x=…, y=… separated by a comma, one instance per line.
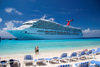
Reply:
x=47, y=29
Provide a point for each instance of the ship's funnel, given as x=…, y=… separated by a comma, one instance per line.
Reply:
x=68, y=22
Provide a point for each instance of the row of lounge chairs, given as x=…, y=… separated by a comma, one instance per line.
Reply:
x=63, y=58
x=91, y=63
x=10, y=63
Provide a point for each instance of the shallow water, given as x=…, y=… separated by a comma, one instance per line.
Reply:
x=27, y=46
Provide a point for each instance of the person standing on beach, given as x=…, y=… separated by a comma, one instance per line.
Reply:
x=36, y=50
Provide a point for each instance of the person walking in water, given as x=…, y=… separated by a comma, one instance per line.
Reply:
x=36, y=50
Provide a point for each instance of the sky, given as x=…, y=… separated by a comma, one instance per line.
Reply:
x=86, y=13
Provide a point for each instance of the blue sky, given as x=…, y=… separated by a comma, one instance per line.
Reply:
x=86, y=13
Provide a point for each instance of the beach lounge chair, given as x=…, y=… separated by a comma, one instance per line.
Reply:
x=93, y=53
x=82, y=64
x=28, y=60
x=74, y=56
x=93, y=50
x=64, y=58
x=82, y=55
x=97, y=51
x=40, y=61
x=94, y=63
x=47, y=59
x=14, y=63
x=3, y=63
x=89, y=54
x=54, y=60
x=65, y=65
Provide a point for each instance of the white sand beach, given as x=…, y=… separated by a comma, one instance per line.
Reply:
x=47, y=54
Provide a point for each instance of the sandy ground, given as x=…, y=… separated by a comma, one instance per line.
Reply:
x=47, y=54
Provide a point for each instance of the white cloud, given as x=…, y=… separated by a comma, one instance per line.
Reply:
x=9, y=26
x=91, y=33
x=13, y=10
x=4, y=34
x=0, y=20
x=19, y=13
x=9, y=10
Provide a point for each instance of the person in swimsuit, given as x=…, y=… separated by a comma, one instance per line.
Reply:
x=36, y=50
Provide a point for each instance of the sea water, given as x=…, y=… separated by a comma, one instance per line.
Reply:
x=28, y=46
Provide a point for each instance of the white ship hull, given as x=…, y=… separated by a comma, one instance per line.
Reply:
x=20, y=34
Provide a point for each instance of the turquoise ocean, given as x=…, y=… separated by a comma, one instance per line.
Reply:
x=28, y=46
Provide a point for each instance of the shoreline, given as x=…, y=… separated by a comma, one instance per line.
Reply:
x=51, y=51
x=70, y=38
x=64, y=50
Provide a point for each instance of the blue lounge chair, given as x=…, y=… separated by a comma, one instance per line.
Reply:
x=47, y=59
x=82, y=64
x=74, y=56
x=65, y=65
x=14, y=63
x=28, y=57
x=64, y=55
x=85, y=64
x=89, y=54
x=28, y=60
x=97, y=51
x=41, y=61
x=3, y=63
x=54, y=60
x=94, y=63
x=64, y=58
x=93, y=53
x=82, y=55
